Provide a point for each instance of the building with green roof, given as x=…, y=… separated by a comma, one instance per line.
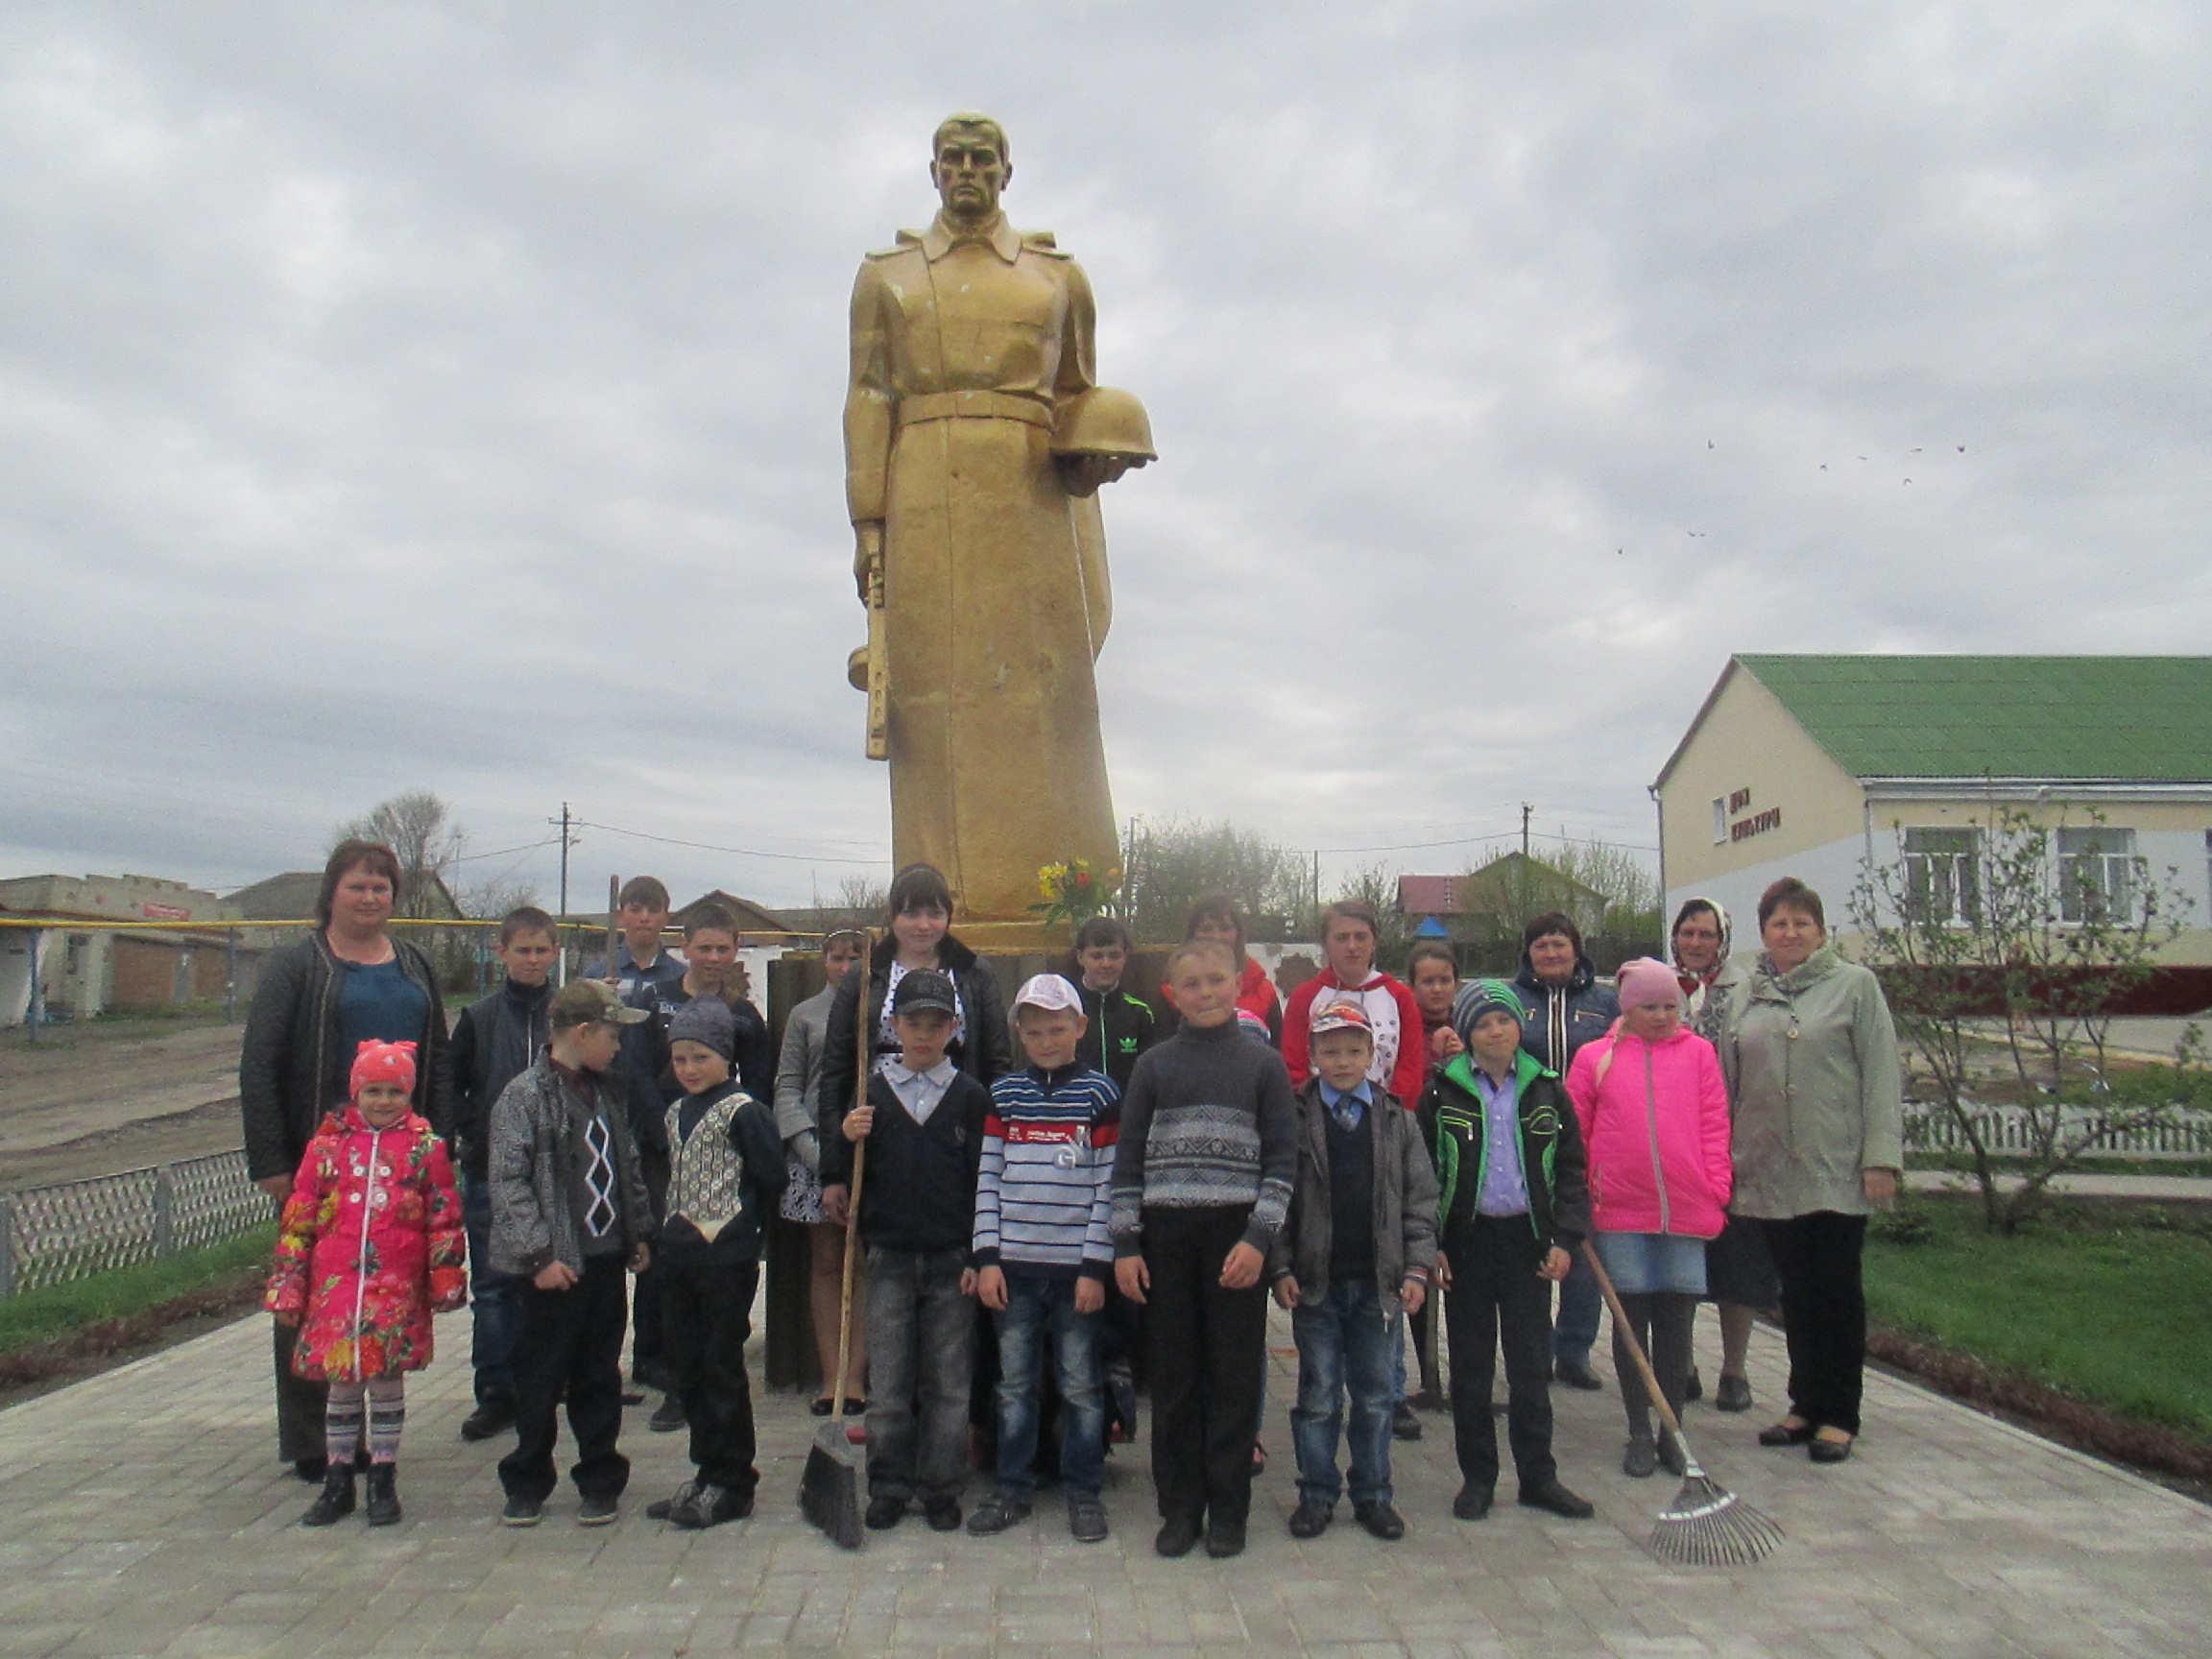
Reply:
x=1809, y=765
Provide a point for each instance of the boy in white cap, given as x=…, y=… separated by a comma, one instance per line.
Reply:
x=1042, y=1253
x=1354, y=1258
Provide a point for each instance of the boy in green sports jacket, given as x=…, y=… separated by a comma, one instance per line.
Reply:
x=1512, y=1202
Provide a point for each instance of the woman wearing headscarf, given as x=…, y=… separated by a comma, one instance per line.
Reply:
x=1739, y=1273
x=1811, y=1057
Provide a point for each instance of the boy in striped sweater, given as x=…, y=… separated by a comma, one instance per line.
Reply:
x=1042, y=1253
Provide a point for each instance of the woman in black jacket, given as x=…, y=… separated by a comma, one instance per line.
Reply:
x=319, y=999
x=919, y=910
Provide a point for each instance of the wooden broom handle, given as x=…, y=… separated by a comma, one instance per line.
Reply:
x=859, y=1176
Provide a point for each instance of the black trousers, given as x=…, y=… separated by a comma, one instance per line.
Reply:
x=707, y=1315
x=570, y=1339
x=1498, y=1304
x=299, y=1403
x=1205, y=1348
x=1818, y=1258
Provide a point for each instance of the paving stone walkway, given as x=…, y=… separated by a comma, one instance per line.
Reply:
x=142, y=1513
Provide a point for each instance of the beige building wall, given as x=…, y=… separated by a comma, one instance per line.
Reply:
x=1750, y=755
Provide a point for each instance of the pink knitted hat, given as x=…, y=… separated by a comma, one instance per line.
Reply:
x=1645, y=980
x=384, y=1062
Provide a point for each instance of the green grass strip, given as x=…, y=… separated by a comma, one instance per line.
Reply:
x=2114, y=1314
x=58, y=1310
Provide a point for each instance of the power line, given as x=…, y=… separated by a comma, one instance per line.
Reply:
x=1494, y=835
x=742, y=852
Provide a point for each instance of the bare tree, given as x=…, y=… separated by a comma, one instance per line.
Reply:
x=420, y=828
x=2005, y=967
x=1175, y=863
x=1630, y=884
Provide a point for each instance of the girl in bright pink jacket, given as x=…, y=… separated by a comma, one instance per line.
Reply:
x=370, y=1246
x=1654, y=1117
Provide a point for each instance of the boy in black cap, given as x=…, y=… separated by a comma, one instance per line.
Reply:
x=569, y=1213
x=923, y=1120
x=726, y=1170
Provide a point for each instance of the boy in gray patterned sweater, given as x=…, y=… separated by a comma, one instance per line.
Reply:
x=1201, y=1186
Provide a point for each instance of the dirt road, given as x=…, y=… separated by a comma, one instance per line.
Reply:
x=92, y=1099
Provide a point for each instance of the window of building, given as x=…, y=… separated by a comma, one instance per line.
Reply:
x=1720, y=821
x=1943, y=873
x=2098, y=873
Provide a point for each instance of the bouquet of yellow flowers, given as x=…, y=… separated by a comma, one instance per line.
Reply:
x=1073, y=895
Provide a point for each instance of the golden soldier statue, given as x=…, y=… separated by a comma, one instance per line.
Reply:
x=975, y=441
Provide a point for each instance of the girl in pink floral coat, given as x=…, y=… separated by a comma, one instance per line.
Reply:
x=370, y=1245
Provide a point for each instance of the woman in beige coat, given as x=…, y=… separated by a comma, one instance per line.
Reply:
x=1811, y=1058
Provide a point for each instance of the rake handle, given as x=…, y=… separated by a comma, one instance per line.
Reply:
x=1635, y=1348
x=859, y=1176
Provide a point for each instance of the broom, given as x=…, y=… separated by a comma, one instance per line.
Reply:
x=829, y=1489
x=1707, y=1525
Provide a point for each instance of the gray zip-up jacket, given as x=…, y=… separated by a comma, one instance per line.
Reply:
x=1405, y=1201
x=798, y=1077
x=537, y=1152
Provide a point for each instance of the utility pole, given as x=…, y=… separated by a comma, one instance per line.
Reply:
x=1526, y=809
x=566, y=822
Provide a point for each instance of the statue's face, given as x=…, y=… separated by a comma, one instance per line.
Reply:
x=969, y=173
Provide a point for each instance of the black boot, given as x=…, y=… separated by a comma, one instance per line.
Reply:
x=383, y=1495
x=337, y=1499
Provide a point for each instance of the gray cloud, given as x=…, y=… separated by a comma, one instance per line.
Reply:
x=446, y=397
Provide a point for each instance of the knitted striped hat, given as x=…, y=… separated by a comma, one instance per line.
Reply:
x=1479, y=996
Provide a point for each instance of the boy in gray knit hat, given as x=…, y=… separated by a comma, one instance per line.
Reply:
x=726, y=1170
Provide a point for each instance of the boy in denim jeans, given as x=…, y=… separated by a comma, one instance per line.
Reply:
x=1353, y=1259
x=1043, y=1252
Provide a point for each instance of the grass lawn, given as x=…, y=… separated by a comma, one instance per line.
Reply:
x=59, y=1311
x=2095, y=1304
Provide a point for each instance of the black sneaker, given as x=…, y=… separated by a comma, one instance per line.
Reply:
x=998, y=1512
x=1403, y=1425
x=1224, y=1537
x=661, y=1508
x=1641, y=1457
x=1176, y=1535
x=521, y=1511
x=711, y=1506
x=667, y=1416
x=1557, y=1500
x=1472, y=1505
x=486, y=1421
x=1310, y=1520
x=942, y=1513
x=597, y=1512
x=1694, y=1390
x=883, y=1513
x=1381, y=1520
x=1086, y=1520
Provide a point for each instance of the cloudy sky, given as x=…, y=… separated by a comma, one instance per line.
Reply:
x=405, y=396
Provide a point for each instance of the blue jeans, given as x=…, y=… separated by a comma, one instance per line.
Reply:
x=1040, y=1310
x=495, y=1302
x=1574, y=1328
x=1345, y=1342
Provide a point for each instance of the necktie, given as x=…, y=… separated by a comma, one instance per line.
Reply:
x=599, y=1179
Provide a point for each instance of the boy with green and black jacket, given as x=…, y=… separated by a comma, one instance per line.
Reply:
x=1513, y=1203
x=1119, y=1027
